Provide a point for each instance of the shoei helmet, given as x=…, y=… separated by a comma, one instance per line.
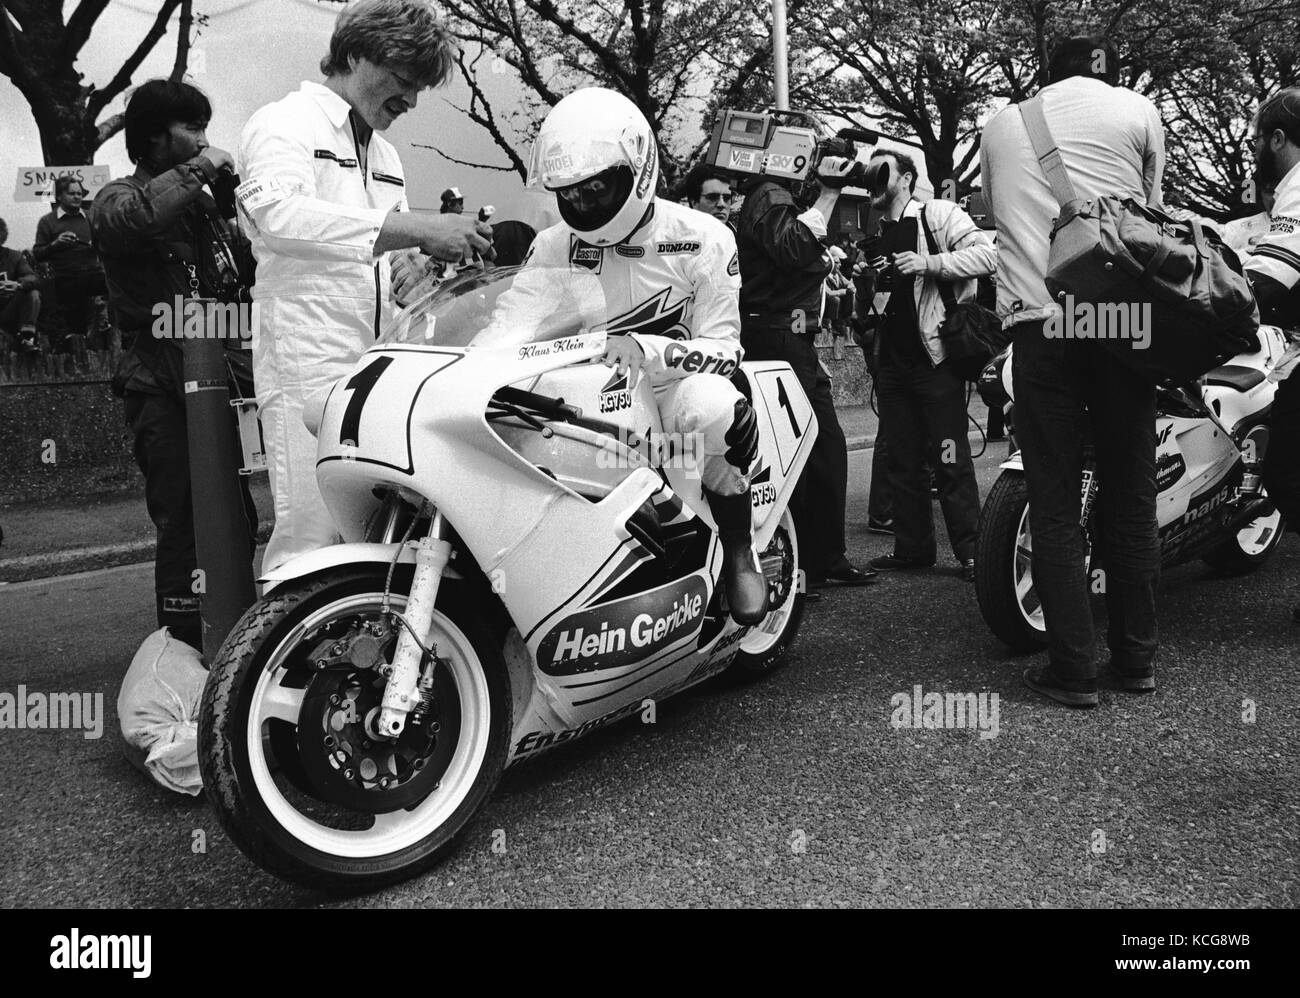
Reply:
x=597, y=153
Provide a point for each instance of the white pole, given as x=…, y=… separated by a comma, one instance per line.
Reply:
x=780, y=57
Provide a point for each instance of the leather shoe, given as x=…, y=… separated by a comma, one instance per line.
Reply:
x=847, y=575
x=968, y=569
x=875, y=526
x=890, y=562
x=1040, y=680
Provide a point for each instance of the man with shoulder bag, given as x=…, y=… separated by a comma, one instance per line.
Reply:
x=1111, y=143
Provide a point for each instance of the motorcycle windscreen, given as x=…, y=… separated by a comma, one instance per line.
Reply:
x=502, y=307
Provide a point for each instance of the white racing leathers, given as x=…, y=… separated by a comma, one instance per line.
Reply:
x=313, y=213
x=674, y=287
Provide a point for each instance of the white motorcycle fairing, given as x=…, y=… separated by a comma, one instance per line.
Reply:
x=554, y=530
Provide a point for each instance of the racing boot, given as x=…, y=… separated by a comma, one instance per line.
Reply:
x=742, y=578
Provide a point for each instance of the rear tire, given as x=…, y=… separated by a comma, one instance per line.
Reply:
x=263, y=664
x=763, y=650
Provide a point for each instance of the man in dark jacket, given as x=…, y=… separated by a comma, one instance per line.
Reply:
x=20, y=302
x=783, y=264
x=63, y=241
x=163, y=241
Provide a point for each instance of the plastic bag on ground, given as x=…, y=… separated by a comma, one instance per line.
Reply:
x=158, y=708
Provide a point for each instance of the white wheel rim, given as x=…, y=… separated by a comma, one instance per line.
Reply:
x=763, y=637
x=396, y=830
x=1022, y=575
x=1259, y=534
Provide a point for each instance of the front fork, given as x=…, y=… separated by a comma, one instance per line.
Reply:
x=401, y=694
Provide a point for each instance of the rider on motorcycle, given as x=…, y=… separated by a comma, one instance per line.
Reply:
x=671, y=283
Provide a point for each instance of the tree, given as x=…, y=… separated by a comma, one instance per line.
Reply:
x=923, y=68
x=38, y=53
x=675, y=60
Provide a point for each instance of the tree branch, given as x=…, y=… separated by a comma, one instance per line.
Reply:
x=101, y=98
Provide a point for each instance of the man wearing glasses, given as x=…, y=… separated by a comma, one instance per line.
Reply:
x=1273, y=268
x=709, y=193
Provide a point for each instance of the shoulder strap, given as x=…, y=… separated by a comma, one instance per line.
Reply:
x=1049, y=156
x=945, y=288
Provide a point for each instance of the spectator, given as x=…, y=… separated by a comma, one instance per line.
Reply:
x=1242, y=234
x=866, y=324
x=1273, y=267
x=326, y=201
x=63, y=240
x=20, y=302
x=922, y=400
x=453, y=203
x=783, y=265
x=1111, y=143
x=710, y=193
x=511, y=241
x=151, y=229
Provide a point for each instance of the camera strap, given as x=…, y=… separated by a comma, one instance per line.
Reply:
x=945, y=287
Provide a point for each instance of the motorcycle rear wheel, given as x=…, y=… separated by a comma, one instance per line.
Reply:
x=291, y=828
x=763, y=650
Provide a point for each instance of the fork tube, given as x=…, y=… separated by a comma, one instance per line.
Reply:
x=401, y=694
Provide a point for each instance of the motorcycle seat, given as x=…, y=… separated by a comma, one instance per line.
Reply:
x=1237, y=376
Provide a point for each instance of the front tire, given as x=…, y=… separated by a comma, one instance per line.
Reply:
x=1004, y=567
x=321, y=819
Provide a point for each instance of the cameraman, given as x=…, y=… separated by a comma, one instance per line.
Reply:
x=922, y=400
x=783, y=265
x=159, y=234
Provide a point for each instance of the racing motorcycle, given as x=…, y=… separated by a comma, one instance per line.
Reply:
x=525, y=559
x=1211, y=437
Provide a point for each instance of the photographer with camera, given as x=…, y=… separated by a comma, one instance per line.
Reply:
x=922, y=399
x=783, y=265
x=163, y=241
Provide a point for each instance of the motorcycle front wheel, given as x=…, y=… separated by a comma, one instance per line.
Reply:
x=290, y=763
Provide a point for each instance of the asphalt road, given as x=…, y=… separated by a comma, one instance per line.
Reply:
x=794, y=791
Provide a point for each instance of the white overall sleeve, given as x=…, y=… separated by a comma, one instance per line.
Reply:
x=278, y=196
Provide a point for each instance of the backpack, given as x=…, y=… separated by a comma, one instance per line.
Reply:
x=1166, y=298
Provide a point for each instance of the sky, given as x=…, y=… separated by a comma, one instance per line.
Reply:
x=251, y=53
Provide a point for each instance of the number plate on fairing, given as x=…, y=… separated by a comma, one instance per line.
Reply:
x=368, y=416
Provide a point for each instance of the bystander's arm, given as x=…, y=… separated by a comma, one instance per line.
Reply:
x=124, y=213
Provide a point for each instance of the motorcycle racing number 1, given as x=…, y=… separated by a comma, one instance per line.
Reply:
x=376, y=404
x=789, y=410
x=360, y=385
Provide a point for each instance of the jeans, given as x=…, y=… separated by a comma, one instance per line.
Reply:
x=1067, y=391
x=818, y=501
x=20, y=310
x=923, y=412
